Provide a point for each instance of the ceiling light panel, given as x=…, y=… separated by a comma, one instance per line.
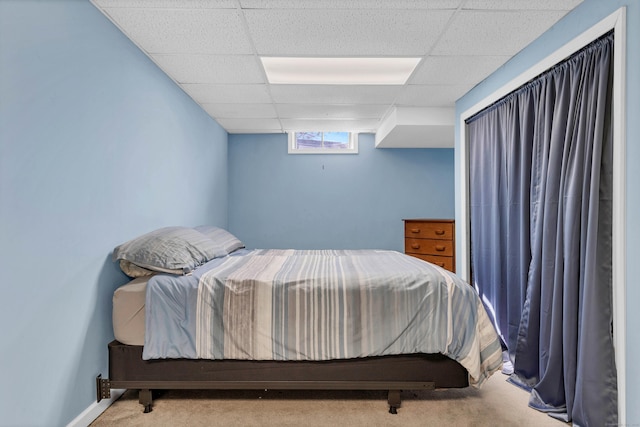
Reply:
x=211, y=68
x=314, y=94
x=339, y=71
x=300, y=32
x=215, y=31
x=494, y=33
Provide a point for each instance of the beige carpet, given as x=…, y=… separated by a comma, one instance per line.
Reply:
x=497, y=403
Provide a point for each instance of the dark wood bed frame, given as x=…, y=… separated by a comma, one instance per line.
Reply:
x=127, y=370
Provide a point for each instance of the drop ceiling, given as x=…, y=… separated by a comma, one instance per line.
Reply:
x=212, y=50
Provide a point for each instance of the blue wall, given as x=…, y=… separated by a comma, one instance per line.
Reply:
x=97, y=146
x=583, y=17
x=351, y=201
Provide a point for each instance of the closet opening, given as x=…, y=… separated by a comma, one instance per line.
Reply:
x=545, y=207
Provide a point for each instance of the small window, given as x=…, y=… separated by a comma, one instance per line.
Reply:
x=323, y=142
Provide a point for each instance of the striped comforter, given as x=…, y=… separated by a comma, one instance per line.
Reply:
x=337, y=304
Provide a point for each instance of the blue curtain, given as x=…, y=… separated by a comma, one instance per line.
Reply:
x=541, y=190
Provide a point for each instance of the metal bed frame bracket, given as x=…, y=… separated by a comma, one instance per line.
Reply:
x=103, y=388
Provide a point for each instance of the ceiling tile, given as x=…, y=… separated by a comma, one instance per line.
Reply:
x=456, y=69
x=522, y=4
x=334, y=94
x=254, y=131
x=216, y=31
x=298, y=111
x=362, y=125
x=494, y=33
x=351, y=4
x=432, y=95
x=173, y=4
x=211, y=68
x=244, y=124
x=237, y=111
x=228, y=94
x=210, y=48
x=345, y=32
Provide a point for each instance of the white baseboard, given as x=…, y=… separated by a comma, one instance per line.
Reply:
x=92, y=412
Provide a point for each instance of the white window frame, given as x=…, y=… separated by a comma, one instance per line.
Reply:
x=353, y=144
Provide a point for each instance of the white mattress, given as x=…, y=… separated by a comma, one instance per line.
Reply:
x=128, y=311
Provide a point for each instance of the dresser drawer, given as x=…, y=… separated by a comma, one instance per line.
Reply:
x=428, y=246
x=445, y=262
x=429, y=230
x=432, y=240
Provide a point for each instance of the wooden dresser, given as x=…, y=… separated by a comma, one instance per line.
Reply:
x=432, y=240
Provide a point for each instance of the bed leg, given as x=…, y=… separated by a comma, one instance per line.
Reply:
x=394, y=401
x=145, y=398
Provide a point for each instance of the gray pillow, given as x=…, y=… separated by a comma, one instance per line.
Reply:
x=174, y=250
x=221, y=237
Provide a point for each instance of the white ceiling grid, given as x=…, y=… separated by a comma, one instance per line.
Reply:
x=212, y=49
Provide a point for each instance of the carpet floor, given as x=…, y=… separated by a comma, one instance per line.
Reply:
x=497, y=403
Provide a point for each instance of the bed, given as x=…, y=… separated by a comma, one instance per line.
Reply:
x=219, y=316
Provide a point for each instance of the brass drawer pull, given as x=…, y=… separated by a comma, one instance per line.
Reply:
x=440, y=248
x=439, y=232
x=415, y=246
